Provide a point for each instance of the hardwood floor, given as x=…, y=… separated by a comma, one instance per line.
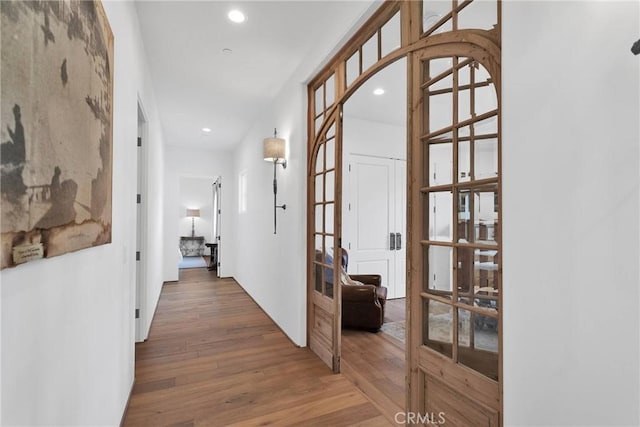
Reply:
x=375, y=363
x=213, y=357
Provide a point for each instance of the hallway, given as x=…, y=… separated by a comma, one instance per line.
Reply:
x=213, y=357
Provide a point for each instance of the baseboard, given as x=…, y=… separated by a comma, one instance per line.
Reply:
x=126, y=406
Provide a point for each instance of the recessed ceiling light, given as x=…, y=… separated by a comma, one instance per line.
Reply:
x=207, y=130
x=227, y=51
x=237, y=16
x=378, y=91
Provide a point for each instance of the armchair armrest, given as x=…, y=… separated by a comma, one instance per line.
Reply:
x=359, y=293
x=369, y=279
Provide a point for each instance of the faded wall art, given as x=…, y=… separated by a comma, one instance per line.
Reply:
x=56, y=120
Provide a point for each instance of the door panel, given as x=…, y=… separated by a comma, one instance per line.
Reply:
x=323, y=277
x=217, y=209
x=455, y=350
x=377, y=220
x=372, y=216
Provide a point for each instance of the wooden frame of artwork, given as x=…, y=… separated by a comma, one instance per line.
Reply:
x=56, y=128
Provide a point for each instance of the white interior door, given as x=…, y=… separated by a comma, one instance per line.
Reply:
x=371, y=217
x=217, y=215
x=376, y=232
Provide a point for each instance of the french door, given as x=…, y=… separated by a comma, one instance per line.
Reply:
x=455, y=246
x=323, y=301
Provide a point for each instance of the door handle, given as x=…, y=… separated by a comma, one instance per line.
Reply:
x=398, y=241
x=392, y=241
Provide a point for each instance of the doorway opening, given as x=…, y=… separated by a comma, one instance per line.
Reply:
x=374, y=140
x=141, y=229
x=196, y=222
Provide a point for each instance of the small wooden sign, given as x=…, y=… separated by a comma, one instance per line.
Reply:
x=24, y=253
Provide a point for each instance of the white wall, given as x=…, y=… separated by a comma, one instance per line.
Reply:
x=68, y=322
x=196, y=193
x=203, y=164
x=272, y=268
x=373, y=138
x=570, y=168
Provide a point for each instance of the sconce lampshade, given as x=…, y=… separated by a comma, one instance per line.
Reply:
x=193, y=213
x=274, y=149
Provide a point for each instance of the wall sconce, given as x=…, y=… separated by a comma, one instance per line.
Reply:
x=193, y=213
x=274, y=151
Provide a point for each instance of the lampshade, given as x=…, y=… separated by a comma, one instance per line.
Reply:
x=274, y=149
x=193, y=213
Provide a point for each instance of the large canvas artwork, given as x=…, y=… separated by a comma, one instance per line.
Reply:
x=56, y=77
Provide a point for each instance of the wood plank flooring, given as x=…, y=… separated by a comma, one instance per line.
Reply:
x=375, y=363
x=214, y=358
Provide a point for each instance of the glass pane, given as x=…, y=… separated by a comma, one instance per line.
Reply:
x=331, y=155
x=432, y=12
x=478, y=342
x=486, y=267
x=370, y=52
x=480, y=14
x=440, y=111
x=439, y=270
x=440, y=164
x=330, y=178
x=331, y=132
x=319, y=100
x=319, y=188
x=445, y=83
x=320, y=159
x=465, y=274
x=317, y=273
x=328, y=281
x=464, y=218
x=478, y=278
x=391, y=35
x=482, y=75
x=485, y=99
x=328, y=271
x=437, y=328
x=438, y=66
x=319, y=123
x=328, y=215
x=487, y=126
x=464, y=132
x=441, y=216
x=319, y=219
x=330, y=91
x=318, y=258
x=486, y=158
x=485, y=214
x=464, y=105
x=353, y=67
x=464, y=162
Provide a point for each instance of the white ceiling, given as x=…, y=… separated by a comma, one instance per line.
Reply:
x=197, y=85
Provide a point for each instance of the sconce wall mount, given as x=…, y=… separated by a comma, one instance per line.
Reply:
x=274, y=151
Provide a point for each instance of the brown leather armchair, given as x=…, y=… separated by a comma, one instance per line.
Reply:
x=363, y=302
x=363, y=297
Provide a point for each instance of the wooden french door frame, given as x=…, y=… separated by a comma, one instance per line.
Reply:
x=435, y=380
x=452, y=383
x=324, y=226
